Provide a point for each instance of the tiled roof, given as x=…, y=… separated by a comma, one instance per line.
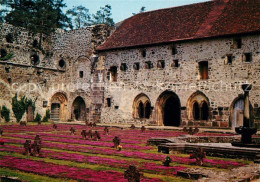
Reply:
x=195, y=21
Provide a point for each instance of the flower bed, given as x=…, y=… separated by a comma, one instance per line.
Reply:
x=60, y=145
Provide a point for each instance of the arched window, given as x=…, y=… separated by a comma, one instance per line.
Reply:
x=147, y=110
x=204, y=111
x=196, y=111
x=141, y=110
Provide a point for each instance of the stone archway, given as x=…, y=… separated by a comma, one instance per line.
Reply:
x=59, y=110
x=168, y=109
x=142, y=107
x=78, y=110
x=237, y=112
x=198, y=107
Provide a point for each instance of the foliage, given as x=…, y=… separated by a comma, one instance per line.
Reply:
x=47, y=116
x=80, y=17
x=10, y=55
x=30, y=102
x=18, y=107
x=103, y=16
x=5, y=113
x=141, y=10
x=21, y=106
x=37, y=16
x=38, y=118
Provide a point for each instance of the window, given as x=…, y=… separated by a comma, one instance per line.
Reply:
x=247, y=57
x=143, y=53
x=123, y=67
x=161, y=64
x=196, y=111
x=148, y=65
x=173, y=49
x=62, y=63
x=113, y=74
x=108, y=102
x=228, y=59
x=136, y=66
x=35, y=43
x=35, y=59
x=237, y=43
x=81, y=74
x=175, y=63
x=203, y=70
x=141, y=110
x=3, y=53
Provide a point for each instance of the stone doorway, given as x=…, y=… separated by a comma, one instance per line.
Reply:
x=55, y=110
x=79, y=109
x=238, y=113
x=30, y=115
x=168, y=109
x=59, y=111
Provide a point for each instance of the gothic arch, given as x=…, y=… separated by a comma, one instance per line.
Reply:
x=59, y=104
x=168, y=109
x=198, y=106
x=142, y=107
x=78, y=110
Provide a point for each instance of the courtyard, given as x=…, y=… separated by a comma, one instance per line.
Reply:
x=67, y=155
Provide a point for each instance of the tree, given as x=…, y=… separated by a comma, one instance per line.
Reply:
x=103, y=16
x=80, y=17
x=140, y=11
x=37, y=16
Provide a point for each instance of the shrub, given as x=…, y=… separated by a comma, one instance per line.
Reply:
x=5, y=113
x=38, y=118
x=47, y=116
x=18, y=107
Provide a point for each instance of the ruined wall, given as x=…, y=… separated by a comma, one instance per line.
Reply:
x=63, y=64
x=220, y=89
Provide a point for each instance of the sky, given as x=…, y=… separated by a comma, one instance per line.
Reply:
x=123, y=9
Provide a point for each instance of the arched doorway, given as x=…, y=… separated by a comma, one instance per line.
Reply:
x=238, y=113
x=196, y=111
x=142, y=107
x=168, y=109
x=204, y=111
x=59, y=107
x=79, y=109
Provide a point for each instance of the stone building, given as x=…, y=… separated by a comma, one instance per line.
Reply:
x=59, y=73
x=184, y=66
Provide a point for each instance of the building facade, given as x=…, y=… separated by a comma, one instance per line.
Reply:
x=184, y=66
x=60, y=73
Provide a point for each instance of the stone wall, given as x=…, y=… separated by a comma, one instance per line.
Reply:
x=64, y=65
x=220, y=90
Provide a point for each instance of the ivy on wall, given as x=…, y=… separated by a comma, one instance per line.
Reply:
x=19, y=107
x=10, y=55
x=5, y=113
